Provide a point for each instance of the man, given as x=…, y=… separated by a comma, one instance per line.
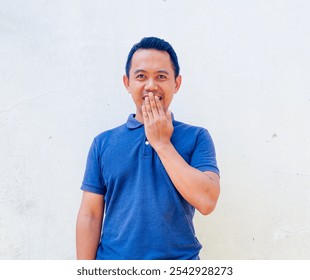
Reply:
x=145, y=178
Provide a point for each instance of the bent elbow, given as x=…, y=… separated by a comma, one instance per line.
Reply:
x=206, y=209
x=207, y=205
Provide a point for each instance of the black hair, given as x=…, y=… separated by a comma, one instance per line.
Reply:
x=157, y=44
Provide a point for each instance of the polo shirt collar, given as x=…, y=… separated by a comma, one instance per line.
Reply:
x=132, y=123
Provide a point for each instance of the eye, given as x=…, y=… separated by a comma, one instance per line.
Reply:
x=140, y=77
x=162, y=77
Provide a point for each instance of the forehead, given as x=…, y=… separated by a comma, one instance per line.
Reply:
x=151, y=59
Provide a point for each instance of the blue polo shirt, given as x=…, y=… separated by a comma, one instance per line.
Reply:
x=145, y=216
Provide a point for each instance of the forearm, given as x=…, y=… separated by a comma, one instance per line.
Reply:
x=197, y=188
x=200, y=189
x=88, y=231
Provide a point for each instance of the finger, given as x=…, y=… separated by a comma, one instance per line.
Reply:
x=148, y=107
x=159, y=106
x=153, y=104
x=144, y=114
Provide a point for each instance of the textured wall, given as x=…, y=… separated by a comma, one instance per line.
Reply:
x=245, y=67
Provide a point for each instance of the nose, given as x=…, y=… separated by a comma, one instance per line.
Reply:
x=151, y=85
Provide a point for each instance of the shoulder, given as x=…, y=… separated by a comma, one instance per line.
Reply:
x=105, y=137
x=187, y=137
x=111, y=132
x=188, y=129
x=191, y=136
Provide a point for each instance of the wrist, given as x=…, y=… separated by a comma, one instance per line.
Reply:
x=161, y=147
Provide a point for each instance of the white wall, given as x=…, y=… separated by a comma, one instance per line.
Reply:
x=245, y=67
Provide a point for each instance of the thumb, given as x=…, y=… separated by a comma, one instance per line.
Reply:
x=169, y=115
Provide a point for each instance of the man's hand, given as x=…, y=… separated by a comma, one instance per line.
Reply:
x=157, y=123
x=200, y=189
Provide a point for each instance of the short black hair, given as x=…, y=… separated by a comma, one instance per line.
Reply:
x=157, y=44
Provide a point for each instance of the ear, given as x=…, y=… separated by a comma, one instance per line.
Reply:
x=126, y=82
x=178, y=82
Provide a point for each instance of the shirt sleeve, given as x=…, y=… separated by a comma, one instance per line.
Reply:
x=93, y=179
x=204, y=156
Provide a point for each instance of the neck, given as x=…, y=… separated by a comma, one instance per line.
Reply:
x=139, y=117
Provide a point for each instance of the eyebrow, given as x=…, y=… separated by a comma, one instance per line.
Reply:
x=139, y=70
x=163, y=71
x=159, y=71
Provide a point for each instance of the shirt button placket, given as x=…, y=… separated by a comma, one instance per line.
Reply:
x=147, y=149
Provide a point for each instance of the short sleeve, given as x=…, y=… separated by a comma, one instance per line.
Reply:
x=93, y=179
x=204, y=156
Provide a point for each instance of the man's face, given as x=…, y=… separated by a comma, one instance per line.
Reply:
x=151, y=71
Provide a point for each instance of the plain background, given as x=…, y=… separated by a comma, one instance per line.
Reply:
x=245, y=67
